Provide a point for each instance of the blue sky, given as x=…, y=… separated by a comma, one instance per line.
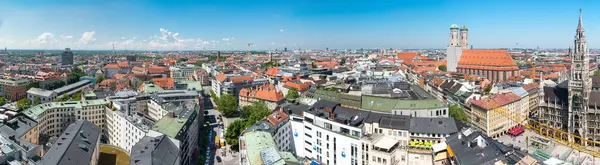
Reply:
x=274, y=24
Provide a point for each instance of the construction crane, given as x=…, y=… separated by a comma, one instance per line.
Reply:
x=549, y=132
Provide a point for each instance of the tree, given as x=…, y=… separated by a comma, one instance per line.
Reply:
x=76, y=96
x=343, y=61
x=232, y=135
x=37, y=100
x=487, y=89
x=23, y=104
x=214, y=96
x=33, y=85
x=2, y=101
x=254, y=112
x=597, y=73
x=100, y=78
x=227, y=104
x=72, y=79
x=313, y=65
x=442, y=68
x=63, y=98
x=292, y=94
x=458, y=113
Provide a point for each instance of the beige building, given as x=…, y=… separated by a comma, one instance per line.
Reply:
x=54, y=117
x=488, y=114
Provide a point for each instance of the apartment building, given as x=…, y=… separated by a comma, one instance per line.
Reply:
x=267, y=93
x=182, y=123
x=259, y=148
x=152, y=150
x=125, y=128
x=78, y=144
x=232, y=84
x=54, y=117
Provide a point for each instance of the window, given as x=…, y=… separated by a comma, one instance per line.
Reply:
x=378, y=160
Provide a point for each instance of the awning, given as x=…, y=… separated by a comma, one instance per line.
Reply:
x=515, y=131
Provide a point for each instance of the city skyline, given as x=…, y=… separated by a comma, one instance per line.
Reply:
x=231, y=25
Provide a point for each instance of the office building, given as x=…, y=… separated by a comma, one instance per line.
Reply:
x=67, y=57
x=13, y=90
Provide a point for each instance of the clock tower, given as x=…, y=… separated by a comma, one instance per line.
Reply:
x=580, y=84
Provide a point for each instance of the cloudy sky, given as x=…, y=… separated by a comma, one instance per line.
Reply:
x=275, y=24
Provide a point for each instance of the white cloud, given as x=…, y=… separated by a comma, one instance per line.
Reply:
x=87, y=37
x=66, y=37
x=45, y=38
x=280, y=30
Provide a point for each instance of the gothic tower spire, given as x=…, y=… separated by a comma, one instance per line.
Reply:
x=580, y=25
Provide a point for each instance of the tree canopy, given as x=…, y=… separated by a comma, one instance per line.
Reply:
x=100, y=78
x=457, y=112
x=37, y=100
x=597, y=73
x=63, y=98
x=2, y=101
x=76, y=96
x=442, y=68
x=227, y=104
x=254, y=112
x=23, y=104
x=292, y=93
x=232, y=135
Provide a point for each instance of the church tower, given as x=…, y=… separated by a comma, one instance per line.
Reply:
x=464, y=37
x=580, y=83
x=454, y=35
x=454, y=50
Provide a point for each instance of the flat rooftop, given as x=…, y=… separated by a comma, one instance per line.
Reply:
x=171, y=126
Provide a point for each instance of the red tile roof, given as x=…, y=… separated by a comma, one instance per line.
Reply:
x=265, y=92
x=272, y=71
x=407, y=56
x=221, y=77
x=240, y=79
x=165, y=83
x=487, y=60
x=123, y=64
x=496, y=100
x=298, y=85
x=157, y=70
x=277, y=117
x=111, y=66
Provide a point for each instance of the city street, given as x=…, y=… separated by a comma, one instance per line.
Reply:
x=218, y=126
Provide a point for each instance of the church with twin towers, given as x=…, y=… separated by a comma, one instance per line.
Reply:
x=459, y=40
